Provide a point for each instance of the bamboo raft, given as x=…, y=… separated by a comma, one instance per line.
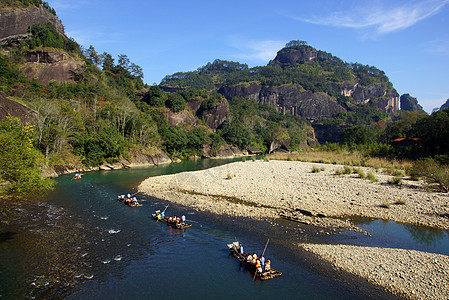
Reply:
x=234, y=249
x=180, y=225
x=122, y=198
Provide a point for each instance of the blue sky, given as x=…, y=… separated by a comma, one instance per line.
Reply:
x=409, y=40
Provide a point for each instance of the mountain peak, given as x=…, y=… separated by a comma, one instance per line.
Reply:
x=295, y=52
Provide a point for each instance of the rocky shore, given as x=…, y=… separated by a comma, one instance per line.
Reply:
x=313, y=194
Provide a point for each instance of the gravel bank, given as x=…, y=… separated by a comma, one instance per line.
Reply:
x=413, y=274
x=263, y=190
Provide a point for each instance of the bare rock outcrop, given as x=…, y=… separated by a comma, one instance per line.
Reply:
x=180, y=118
x=288, y=57
x=13, y=108
x=410, y=103
x=289, y=99
x=52, y=66
x=215, y=116
x=14, y=23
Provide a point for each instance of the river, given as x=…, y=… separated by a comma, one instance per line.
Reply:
x=81, y=243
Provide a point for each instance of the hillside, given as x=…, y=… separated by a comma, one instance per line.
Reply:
x=301, y=81
x=90, y=109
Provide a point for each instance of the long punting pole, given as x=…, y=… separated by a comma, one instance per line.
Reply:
x=261, y=256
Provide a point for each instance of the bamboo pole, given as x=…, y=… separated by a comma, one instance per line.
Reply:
x=261, y=256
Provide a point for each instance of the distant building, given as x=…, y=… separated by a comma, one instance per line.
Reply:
x=407, y=142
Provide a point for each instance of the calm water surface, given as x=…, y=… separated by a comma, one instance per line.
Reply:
x=84, y=244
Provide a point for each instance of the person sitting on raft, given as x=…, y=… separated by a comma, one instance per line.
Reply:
x=249, y=258
x=254, y=257
x=258, y=267
x=268, y=265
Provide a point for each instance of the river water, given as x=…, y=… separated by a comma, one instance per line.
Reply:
x=84, y=244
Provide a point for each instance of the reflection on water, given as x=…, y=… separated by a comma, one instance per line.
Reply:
x=427, y=236
x=407, y=236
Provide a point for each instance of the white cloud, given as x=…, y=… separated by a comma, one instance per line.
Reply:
x=381, y=18
x=259, y=51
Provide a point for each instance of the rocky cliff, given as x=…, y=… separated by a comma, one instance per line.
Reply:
x=52, y=65
x=292, y=99
x=289, y=57
x=15, y=22
x=410, y=103
x=13, y=108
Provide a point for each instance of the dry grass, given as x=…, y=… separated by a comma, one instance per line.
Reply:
x=348, y=158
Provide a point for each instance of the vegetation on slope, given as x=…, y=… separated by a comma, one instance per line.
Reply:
x=108, y=110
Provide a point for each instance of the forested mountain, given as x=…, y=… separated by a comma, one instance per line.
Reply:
x=90, y=109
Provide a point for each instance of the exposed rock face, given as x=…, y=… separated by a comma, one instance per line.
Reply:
x=14, y=22
x=13, y=108
x=226, y=152
x=217, y=115
x=180, y=118
x=138, y=158
x=293, y=57
x=410, y=103
x=288, y=99
x=47, y=66
x=292, y=99
x=45, y=57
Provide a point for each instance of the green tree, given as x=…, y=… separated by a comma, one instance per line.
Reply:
x=93, y=56
x=434, y=132
x=154, y=96
x=237, y=134
x=20, y=174
x=175, y=102
x=108, y=61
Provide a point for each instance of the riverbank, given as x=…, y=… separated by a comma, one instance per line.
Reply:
x=313, y=194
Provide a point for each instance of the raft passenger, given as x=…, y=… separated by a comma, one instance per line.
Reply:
x=268, y=265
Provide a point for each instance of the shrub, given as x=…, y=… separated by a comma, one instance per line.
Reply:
x=432, y=172
x=395, y=180
x=316, y=170
x=371, y=177
x=397, y=173
x=347, y=170
x=339, y=172
x=20, y=175
x=360, y=173
x=229, y=176
x=244, y=159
